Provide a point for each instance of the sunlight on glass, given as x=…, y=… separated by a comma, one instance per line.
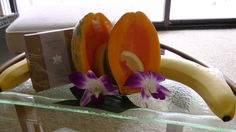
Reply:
x=202, y=9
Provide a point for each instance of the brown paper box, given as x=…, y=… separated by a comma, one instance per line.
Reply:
x=49, y=58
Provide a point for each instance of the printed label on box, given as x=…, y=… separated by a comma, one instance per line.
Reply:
x=49, y=59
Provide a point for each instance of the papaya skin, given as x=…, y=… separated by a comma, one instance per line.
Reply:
x=90, y=36
x=135, y=33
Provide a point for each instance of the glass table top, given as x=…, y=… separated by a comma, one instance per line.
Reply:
x=56, y=109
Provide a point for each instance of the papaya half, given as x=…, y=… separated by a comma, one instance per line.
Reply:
x=89, y=41
x=133, y=46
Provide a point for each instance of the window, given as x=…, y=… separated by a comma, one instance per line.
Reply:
x=165, y=14
x=182, y=14
x=7, y=7
x=202, y=9
x=111, y=8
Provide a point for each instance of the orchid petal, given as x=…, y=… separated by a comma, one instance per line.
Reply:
x=156, y=76
x=143, y=93
x=134, y=80
x=144, y=74
x=99, y=100
x=109, y=88
x=160, y=96
x=78, y=78
x=86, y=98
x=91, y=74
x=155, y=95
x=163, y=90
x=96, y=93
x=94, y=87
x=149, y=84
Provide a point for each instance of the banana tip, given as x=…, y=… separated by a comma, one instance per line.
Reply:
x=226, y=118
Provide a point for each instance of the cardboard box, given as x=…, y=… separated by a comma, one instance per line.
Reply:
x=49, y=58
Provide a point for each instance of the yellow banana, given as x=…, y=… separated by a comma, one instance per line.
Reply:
x=14, y=75
x=207, y=82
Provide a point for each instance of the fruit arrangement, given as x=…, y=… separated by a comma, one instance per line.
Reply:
x=133, y=46
x=125, y=58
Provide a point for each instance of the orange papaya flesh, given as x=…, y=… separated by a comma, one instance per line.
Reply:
x=90, y=37
x=135, y=33
x=100, y=59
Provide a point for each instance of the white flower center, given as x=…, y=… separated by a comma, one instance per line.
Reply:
x=96, y=86
x=149, y=85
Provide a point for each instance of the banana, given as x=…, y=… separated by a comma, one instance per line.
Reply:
x=132, y=61
x=14, y=75
x=207, y=82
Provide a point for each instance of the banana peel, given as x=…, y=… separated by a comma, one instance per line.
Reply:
x=209, y=83
x=14, y=75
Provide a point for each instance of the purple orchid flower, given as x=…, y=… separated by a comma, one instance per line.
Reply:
x=92, y=85
x=149, y=82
